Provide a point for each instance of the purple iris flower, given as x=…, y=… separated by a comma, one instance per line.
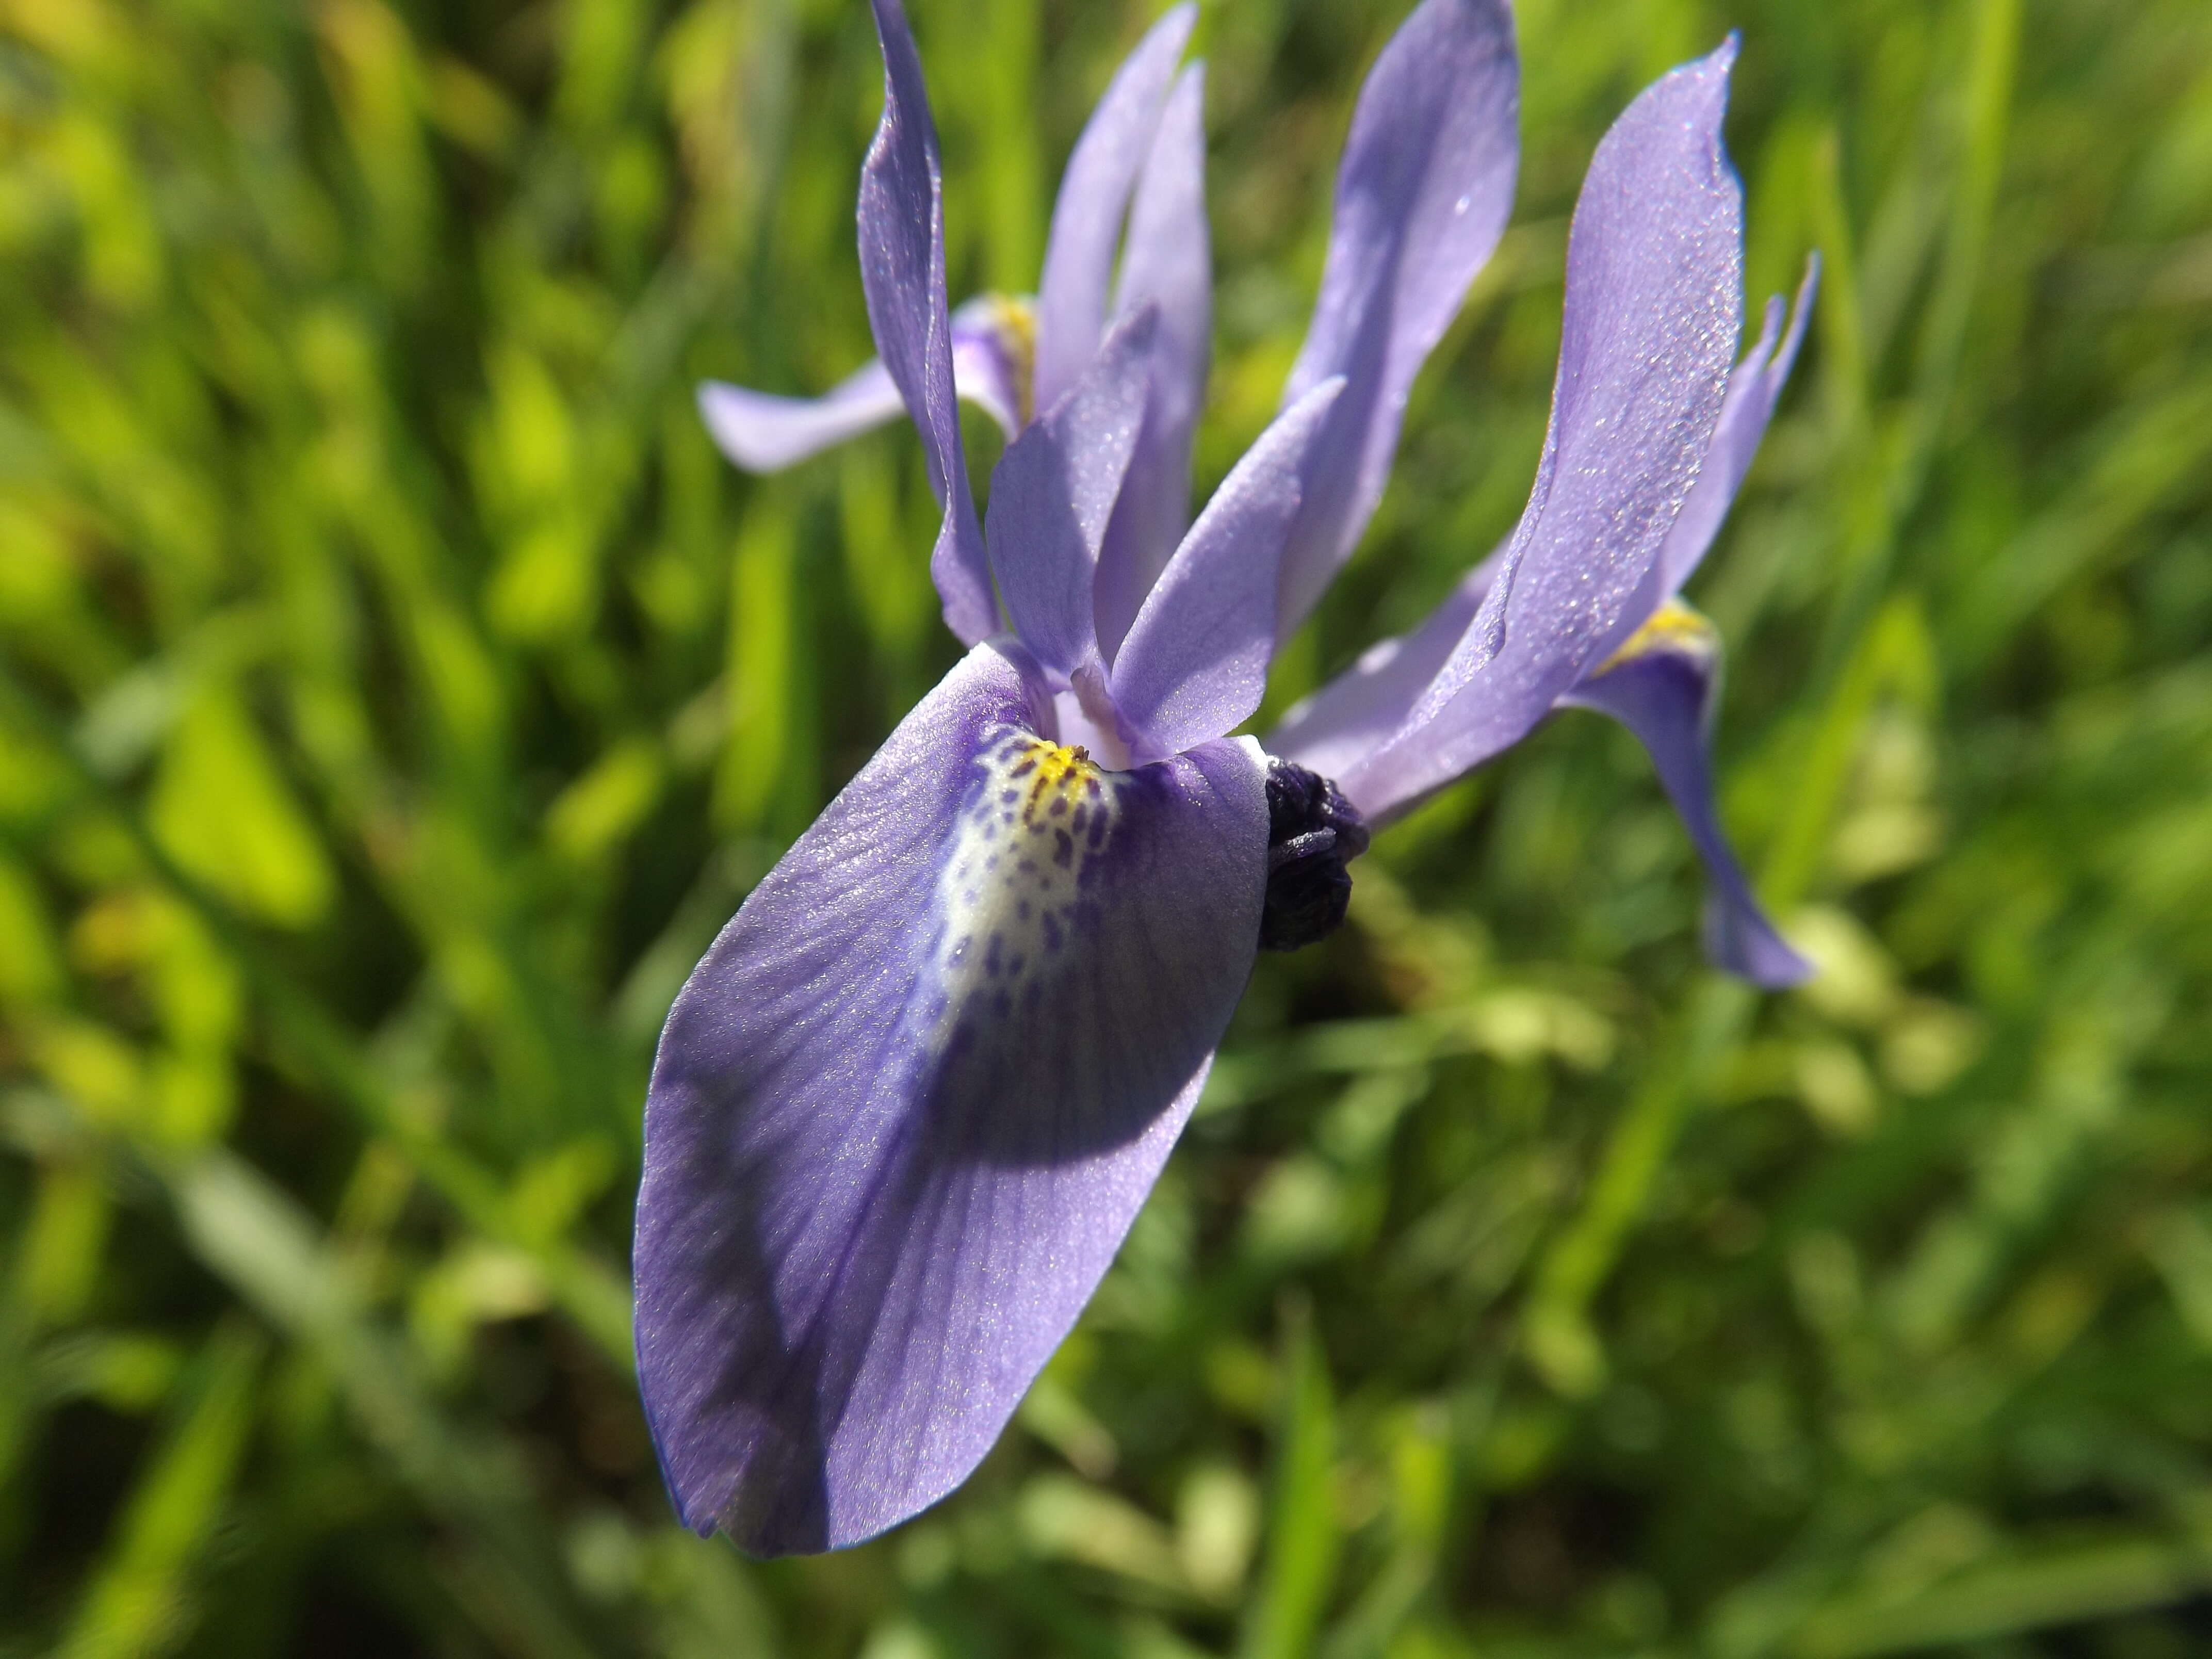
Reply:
x=905, y=1109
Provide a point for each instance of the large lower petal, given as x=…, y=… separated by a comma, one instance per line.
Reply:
x=1654, y=304
x=1094, y=197
x=1663, y=686
x=901, y=222
x=1166, y=263
x=764, y=433
x=907, y=1107
x=1422, y=194
x=1195, y=663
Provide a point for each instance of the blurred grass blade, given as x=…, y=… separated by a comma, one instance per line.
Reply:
x=1299, y=1569
x=138, y=1601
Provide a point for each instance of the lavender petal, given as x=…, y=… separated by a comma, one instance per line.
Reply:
x=1165, y=262
x=763, y=432
x=1195, y=662
x=1363, y=707
x=1054, y=491
x=1094, y=194
x=1752, y=391
x=1662, y=688
x=899, y=1124
x=1654, y=305
x=902, y=271
x=1422, y=197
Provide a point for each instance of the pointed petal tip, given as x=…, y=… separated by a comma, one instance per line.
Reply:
x=1743, y=942
x=1801, y=315
x=1704, y=80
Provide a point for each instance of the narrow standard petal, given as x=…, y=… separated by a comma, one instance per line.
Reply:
x=1195, y=662
x=1754, y=390
x=1663, y=686
x=1054, y=490
x=1166, y=262
x=902, y=271
x=1422, y=197
x=1654, y=304
x=1094, y=194
x=906, y=1108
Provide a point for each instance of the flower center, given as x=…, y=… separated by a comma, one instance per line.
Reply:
x=1313, y=833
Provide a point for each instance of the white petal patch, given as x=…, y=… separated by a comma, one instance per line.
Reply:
x=1018, y=873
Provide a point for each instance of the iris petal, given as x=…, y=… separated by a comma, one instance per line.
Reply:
x=1054, y=491
x=764, y=433
x=1363, y=708
x=1166, y=262
x=902, y=271
x=906, y=1108
x=1654, y=304
x=1195, y=662
x=1422, y=197
x=1662, y=687
x=1752, y=390
x=1094, y=194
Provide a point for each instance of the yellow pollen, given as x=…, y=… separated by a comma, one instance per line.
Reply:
x=1673, y=624
x=1054, y=772
x=1015, y=318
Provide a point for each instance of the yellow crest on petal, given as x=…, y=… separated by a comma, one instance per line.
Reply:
x=1013, y=877
x=1674, y=627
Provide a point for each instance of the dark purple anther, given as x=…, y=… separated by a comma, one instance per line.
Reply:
x=1313, y=833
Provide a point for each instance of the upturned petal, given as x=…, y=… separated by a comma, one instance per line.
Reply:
x=906, y=1108
x=1054, y=491
x=764, y=433
x=1422, y=197
x=1094, y=197
x=1363, y=707
x=1195, y=662
x=1165, y=262
x=1654, y=304
x=902, y=271
x=1752, y=390
x=1663, y=686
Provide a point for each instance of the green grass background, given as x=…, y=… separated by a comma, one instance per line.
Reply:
x=398, y=691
